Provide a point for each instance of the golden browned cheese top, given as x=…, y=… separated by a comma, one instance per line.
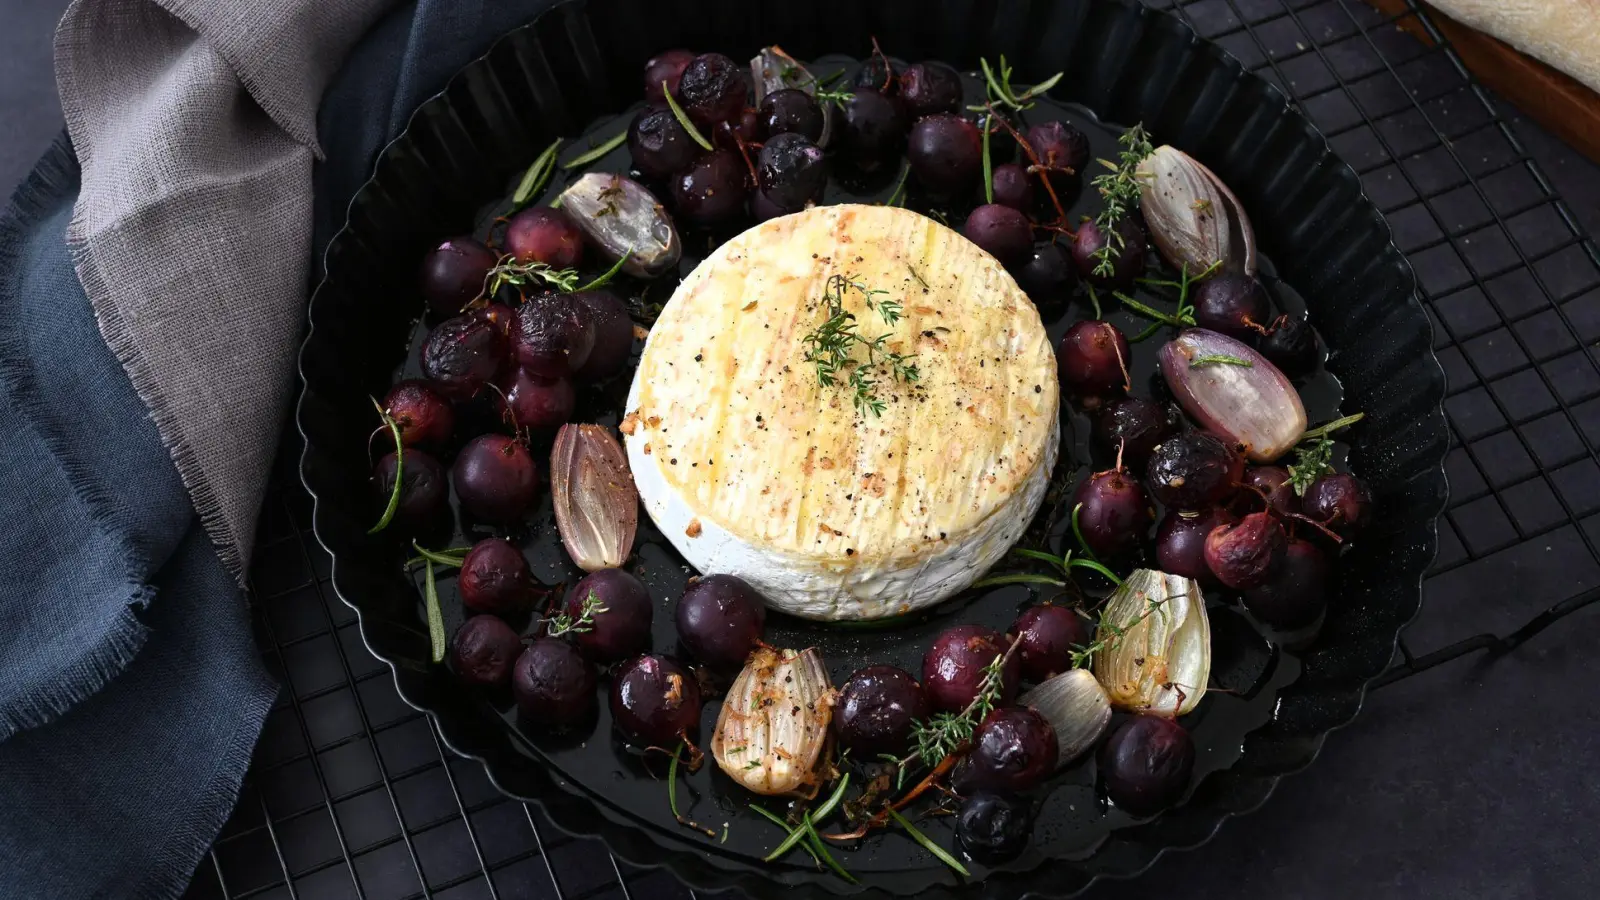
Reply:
x=741, y=427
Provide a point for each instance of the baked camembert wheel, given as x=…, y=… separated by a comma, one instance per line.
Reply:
x=889, y=489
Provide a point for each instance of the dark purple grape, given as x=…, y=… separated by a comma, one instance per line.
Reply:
x=1233, y=304
x=553, y=683
x=994, y=827
x=1193, y=471
x=531, y=401
x=1291, y=345
x=1047, y=635
x=655, y=701
x=873, y=130
x=495, y=578
x=1093, y=359
x=1059, y=145
x=658, y=143
x=929, y=88
x=1340, y=501
x=1127, y=263
x=1013, y=749
x=880, y=74
x=746, y=128
x=546, y=235
x=1012, y=187
x=664, y=67
x=763, y=209
x=553, y=335
x=1133, y=426
x=498, y=316
x=424, y=495
x=876, y=710
x=946, y=153
x=1295, y=595
x=1146, y=764
x=1113, y=512
x=1246, y=554
x=1273, y=483
x=484, y=650
x=791, y=170
x=495, y=479
x=1049, y=276
x=424, y=417
x=713, y=189
x=623, y=629
x=613, y=335
x=463, y=354
x=790, y=111
x=952, y=669
x=1181, y=542
x=453, y=274
x=713, y=88
x=1003, y=232
x=719, y=620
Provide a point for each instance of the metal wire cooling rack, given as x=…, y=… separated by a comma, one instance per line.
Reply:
x=352, y=794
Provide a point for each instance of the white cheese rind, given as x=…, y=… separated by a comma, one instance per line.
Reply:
x=831, y=513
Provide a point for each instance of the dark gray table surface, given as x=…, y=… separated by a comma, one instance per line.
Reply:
x=1474, y=779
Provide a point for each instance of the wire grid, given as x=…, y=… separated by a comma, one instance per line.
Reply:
x=352, y=793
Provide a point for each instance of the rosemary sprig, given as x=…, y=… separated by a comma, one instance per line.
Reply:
x=945, y=733
x=825, y=96
x=399, y=468
x=452, y=557
x=1119, y=188
x=988, y=167
x=511, y=271
x=534, y=180
x=1314, y=453
x=928, y=843
x=1185, y=314
x=997, y=82
x=430, y=599
x=672, y=789
x=561, y=623
x=597, y=152
x=1064, y=564
x=898, y=198
x=821, y=812
x=1219, y=359
x=684, y=120
x=831, y=347
x=796, y=834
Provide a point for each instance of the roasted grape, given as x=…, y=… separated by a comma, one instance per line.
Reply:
x=484, y=650
x=453, y=274
x=876, y=710
x=1275, y=487
x=527, y=400
x=712, y=190
x=1093, y=359
x=424, y=495
x=1295, y=595
x=495, y=479
x=424, y=417
x=1113, y=512
x=1181, y=542
x=1132, y=427
x=880, y=74
x=1002, y=231
x=994, y=827
x=622, y=626
x=713, y=88
x=553, y=683
x=1340, y=502
x=1049, y=276
x=655, y=701
x=719, y=620
x=495, y=578
x=946, y=153
x=1126, y=259
x=790, y=111
x=1012, y=187
x=463, y=354
x=1246, y=554
x=1291, y=345
x=1060, y=146
x=658, y=143
x=553, y=335
x=953, y=668
x=1233, y=304
x=613, y=335
x=1047, y=636
x=1013, y=749
x=873, y=130
x=546, y=235
x=928, y=88
x=1146, y=764
x=1193, y=471
x=665, y=67
x=791, y=170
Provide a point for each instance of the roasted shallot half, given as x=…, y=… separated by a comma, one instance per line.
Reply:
x=1195, y=221
x=774, y=722
x=1161, y=660
x=1234, y=392
x=596, y=503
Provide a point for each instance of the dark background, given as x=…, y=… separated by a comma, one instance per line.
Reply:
x=1473, y=779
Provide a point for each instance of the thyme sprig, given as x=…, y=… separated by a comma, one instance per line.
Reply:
x=1106, y=634
x=510, y=270
x=945, y=733
x=832, y=346
x=1119, y=189
x=997, y=82
x=561, y=623
x=1314, y=453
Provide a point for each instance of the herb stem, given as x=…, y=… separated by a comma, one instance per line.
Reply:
x=399, y=468
x=430, y=599
x=534, y=180
x=898, y=197
x=597, y=152
x=452, y=557
x=609, y=274
x=1331, y=427
x=683, y=118
x=1151, y=312
x=988, y=166
x=928, y=844
x=1219, y=359
x=1094, y=566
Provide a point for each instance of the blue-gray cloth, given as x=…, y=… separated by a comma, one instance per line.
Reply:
x=118, y=769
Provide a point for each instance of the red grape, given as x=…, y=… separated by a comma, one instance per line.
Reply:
x=719, y=619
x=655, y=701
x=546, y=235
x=553, y=683
x=495, y=578
x=484, y=650
x=1295, y=595
x=1093, y=359
x=495, y=479
x=623, y=628
x=1113, y=512
x=713, y=88
x=1146, y=763
x=1246, y=554
x=424, y=417
x=876, y=710
x=453, y=274
x=1193, y=470
x=1003, y=232
x=946, y=153
x=1048, y=635
x=952, y=669
x=530, y=401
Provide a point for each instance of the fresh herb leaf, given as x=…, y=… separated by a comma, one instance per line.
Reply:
x=1119, y=189
x=514, y=272
x=1176, y=320
x=1219, y=359
x=820, y=850
x=1313, y=459
x=795, y=836
x=561, y=623
x=452, y=557
x=988, y=168
x=534, y=180
x=399, y=468
x=684, y=120
x=597, y=152
x=837, y=98
x=997, y=82
x=430, y=599
x=1331, y=427
x=928, y=844
x=832, y=346
x=609, y=274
